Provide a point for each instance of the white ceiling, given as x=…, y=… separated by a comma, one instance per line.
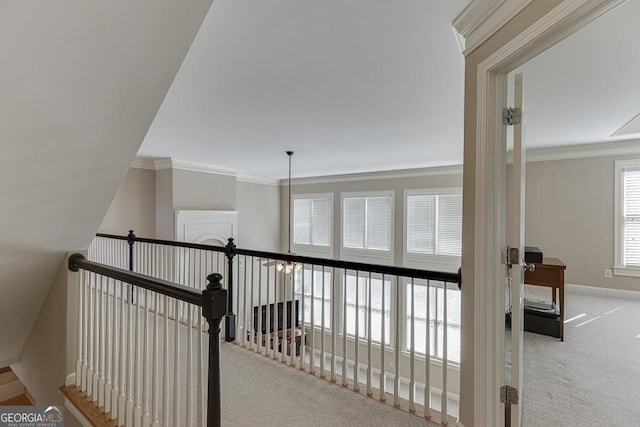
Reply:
x=372, y=85
x=349, y=86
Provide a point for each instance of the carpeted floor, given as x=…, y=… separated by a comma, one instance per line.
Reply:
x=591, y=379
x=260, y=391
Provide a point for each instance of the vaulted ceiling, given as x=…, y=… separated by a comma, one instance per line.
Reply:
x=372, y=85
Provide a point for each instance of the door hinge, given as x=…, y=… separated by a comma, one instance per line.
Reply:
x=511, y=116
x=510, y=256
x=508, y=395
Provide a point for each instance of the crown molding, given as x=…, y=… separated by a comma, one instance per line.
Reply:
x=368, y=176
x=258, y=180
x=582, y=151
x=143, y=163
x=483, y=18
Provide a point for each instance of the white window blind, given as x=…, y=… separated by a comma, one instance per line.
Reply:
x=631, y=221
x=434, y=224
x=312, y=220
x=368, y=222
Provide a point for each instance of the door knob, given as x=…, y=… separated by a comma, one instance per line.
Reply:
x=531, y=267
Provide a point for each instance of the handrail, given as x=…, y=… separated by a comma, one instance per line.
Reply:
x=326, y=262
x=174, y=290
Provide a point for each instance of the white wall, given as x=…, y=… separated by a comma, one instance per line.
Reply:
x=570, y=216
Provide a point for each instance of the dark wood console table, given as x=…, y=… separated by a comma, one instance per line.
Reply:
x=550, y=273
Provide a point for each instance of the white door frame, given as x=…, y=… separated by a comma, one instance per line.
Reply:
x=484, y=207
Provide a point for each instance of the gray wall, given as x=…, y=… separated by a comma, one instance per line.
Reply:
x=133, y=206
x=201, y=190
x=259, y=216
x=570, y=215
x=44, y=364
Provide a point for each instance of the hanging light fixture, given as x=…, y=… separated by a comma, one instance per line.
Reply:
x=289, y=266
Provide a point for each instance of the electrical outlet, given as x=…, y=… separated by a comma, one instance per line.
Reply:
x=608, y=273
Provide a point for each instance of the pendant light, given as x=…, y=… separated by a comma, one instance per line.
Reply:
x=289, y=266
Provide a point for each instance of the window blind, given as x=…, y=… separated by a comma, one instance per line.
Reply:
x=312, y=221
x=434, y=224
x=631, y=212
x=368, y=222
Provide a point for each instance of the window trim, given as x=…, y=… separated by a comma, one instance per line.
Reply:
x=368, y=255
x=449, y=263
x=619, y=269
x=311, y=249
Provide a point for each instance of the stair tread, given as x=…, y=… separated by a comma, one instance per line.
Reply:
x=20, y=400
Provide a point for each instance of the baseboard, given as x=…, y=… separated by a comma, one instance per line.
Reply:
x=70, y=379
x=603, y=292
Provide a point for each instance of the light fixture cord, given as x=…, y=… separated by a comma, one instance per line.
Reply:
x=289, y=153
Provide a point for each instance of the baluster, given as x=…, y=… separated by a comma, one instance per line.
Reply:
x=334, y=325
x=115, y=349
x=444, y=355
x=96, y=341
x=252, y=328
x=189, y=373
x=81, y=322
x=122, y=397
x=146, y=365
x=200, y=415
x=293, y=322
x=356, y=356
x=108, y=343
x=369, y=337
x=268, y=341
x=323, y=374
x=165, y=366
x=383, y=375
x=396, y=379
x=259, y=339
x=312, y=321
x=176, y=367
x=427, y=355
x=130, y=359
x=155, y=370
x=275, y=320
x=412, y=351
x=344, y=331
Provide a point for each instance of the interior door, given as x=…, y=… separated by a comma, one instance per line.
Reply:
x=515, y=263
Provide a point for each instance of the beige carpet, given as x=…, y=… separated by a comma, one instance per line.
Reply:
x=260, y=391
x=591, y=379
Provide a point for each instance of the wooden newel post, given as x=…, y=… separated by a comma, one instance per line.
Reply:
x=214, y=308
x=230, y=323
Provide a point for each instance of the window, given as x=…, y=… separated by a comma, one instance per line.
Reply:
x=313, y=282
x=627, y=218
x=357, y=293
x=434, y=225
x=313, y=220
x=436, y=320
x=368, y=221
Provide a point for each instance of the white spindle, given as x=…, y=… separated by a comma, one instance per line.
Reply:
x=101, y=342
x=268, y=341
x=130, y=359
x=356, y=355
x=244, y=328
x=155, y=422
x=146, y=363
x=444, y=355
x=412, y=351
x=383, y=375
x=189, y=373
x=201, y=407
x=137, y=411
x=115, y=348
x=312, y=321
x=344, y=331
x=396, y=378
x=292, y=331
x=81, y=322
x=165, y=366
x=122, y=397
x=369, y=337
x=176, y=368
x=323, y=348
x=252, y=327
x=427, y=355
x=96, y=341
x=334, y=325
x=259, y=336
x=108, y=343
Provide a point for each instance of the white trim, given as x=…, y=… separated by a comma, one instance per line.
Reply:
x=626, y=271
x=76, y=413
x=582, y=151
x=140, y=163
x=619, y=269
x=483, y=18
x=367, y=176
x=603, y=292
x=488, y=368
x=258, y=180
